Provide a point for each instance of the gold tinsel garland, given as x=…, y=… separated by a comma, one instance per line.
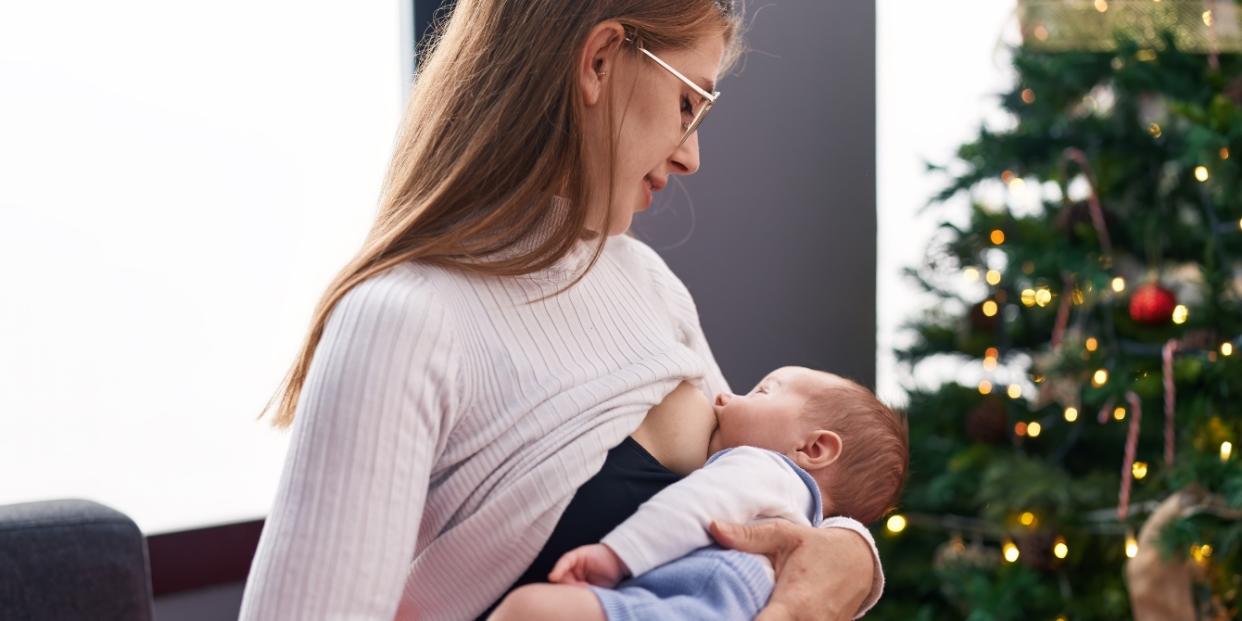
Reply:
x=1206, y=26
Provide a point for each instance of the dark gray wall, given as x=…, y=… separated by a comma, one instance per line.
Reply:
x=781, y=258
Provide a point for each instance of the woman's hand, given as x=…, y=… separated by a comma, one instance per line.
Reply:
x=595, y=564
x=822, y=574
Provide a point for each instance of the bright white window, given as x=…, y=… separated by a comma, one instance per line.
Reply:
x=939, y=68
x=178, y=183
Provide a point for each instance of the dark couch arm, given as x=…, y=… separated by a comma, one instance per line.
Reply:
x=72, y=559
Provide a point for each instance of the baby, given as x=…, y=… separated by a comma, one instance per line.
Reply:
x=802, y=445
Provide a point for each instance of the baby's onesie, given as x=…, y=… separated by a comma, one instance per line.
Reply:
x=678, y=570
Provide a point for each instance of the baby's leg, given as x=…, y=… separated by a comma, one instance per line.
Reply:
x=550, y=601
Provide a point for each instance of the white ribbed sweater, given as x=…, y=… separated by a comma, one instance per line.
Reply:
x=444, y=426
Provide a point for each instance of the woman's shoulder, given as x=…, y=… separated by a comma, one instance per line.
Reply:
x=392, y=297
x=666, y=282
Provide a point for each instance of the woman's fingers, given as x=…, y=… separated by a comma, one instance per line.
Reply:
x=771, y=538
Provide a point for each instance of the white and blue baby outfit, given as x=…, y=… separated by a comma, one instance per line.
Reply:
x=679, y=572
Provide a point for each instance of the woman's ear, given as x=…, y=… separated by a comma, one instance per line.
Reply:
x=821, y=449
x=599, y=55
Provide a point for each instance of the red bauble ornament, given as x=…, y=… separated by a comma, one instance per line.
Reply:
x=1152, y=304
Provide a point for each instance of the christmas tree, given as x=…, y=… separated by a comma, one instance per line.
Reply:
x=1092, y=473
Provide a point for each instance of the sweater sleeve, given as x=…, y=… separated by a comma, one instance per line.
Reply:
x=741, y=485
x=375, y=408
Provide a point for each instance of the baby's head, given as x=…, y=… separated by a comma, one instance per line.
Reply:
x=855, y=447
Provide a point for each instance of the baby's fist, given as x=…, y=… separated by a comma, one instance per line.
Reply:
x=595, y=564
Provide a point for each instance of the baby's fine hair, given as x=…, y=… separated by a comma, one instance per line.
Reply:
x=875, y=454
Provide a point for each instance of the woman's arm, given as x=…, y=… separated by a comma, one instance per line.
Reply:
x=373, y=413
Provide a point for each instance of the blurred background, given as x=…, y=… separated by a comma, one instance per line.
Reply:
x=179, y=182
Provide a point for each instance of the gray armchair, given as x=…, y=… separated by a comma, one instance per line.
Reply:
x=72, y=559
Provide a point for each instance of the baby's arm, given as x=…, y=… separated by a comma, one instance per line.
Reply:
x=744, y=484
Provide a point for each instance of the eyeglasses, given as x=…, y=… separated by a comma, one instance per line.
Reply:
x=705, y=103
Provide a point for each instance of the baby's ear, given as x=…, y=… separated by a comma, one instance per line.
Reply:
x=822, y=448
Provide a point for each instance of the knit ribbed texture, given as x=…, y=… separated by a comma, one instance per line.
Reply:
x=445, y=425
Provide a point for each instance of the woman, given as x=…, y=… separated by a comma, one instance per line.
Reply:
x=497, y=335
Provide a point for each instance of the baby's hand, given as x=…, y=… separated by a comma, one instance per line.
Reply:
x=595, y=564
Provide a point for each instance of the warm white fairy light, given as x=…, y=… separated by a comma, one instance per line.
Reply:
x=896, y=523
x=1201, y=173
x=1010, y=550
x=990, y=308
x=1034, y=429
x=1092, y=344
x=1180, y=314
x=1071, y=414
x=993, y=277
x=1043, y=296
x=985, y=387
x=1226, y=449
x=1139, y=469
x=1119, y=284
x=1099, y=378
x=1226, y=349
x=1131, y=545
x=1119, y=413
x=1027, y=518
x=1028, y=297
x=1060, y=549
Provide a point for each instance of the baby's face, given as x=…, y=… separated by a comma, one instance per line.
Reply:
x=769, y=416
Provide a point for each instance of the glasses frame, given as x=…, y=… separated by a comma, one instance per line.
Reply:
x=709, y=99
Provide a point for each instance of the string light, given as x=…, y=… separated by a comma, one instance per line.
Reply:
x=896, y=523
x=1006, y=176
x=1101, y=5
x=1224, y=153
x=1119, y=284
x=1201, y=554
x=1041, y=33
x=1131, y=545
x=998, y=236
x=1201, y=173
x=1014, y=391
x=1028, y=297
x=1043, y=296
x=1180, y=314
x=1010, y=550
x=1119, y=413
x=971, y=274
x=985, y=387
x=1139, y=469
x=989, y=308
x=1092, y=344
x=1240, y=223
x=1078, y=297
x=1034, y=429
x=1019, y=429
x=1226, y=349
x=1099, y=378
x=1027, y=518
x=993, y=277
x=1060, y=549
x=1016, y=184
x=1226, y=449
x=1028, y=96
x=1071, y=414
x=1207, y=18
x=1154, y=130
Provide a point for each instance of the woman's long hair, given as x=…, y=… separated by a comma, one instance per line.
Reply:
x=492, y=132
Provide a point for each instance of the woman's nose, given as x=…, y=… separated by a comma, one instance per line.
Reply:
x=723, y=398
x=685, y=159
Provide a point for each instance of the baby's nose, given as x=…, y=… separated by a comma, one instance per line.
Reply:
x=723, y=398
